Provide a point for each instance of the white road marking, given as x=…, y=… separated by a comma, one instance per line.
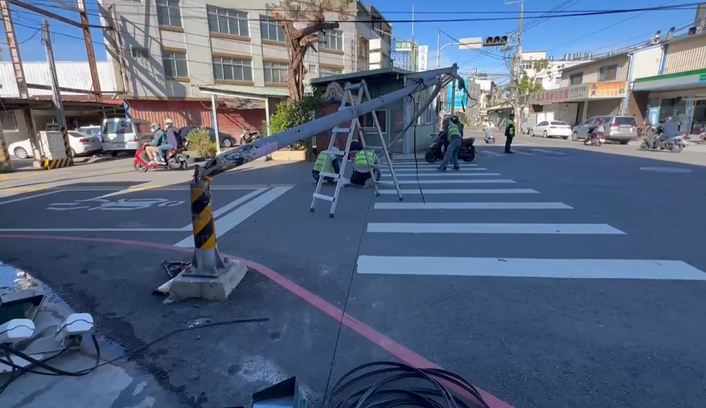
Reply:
x=483, y=228
x=447, y=181
x=547, y=151
x=132, y=189
x=449, y=173
x=425, y=164
x=473, y=206
x=230, y=206
x=524, y=153
x=17, y=200
x=412, y=191
x=490, y=153
x=531, y=268
x=237, y=202
x=430, y=169
x=89, y=229
x=232, y=219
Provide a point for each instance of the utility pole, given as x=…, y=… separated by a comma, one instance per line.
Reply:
x=517, y=60
x=84, y=25
x=56, y=93
x=20, y=79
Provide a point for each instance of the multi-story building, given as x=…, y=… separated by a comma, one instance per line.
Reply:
x=169, y=49
x=587, y=89
x=669, y=79
x=550, y=76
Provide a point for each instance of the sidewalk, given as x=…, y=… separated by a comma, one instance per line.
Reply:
x=120, y=385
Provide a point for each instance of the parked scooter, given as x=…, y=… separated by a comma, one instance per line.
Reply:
x=593, y=138
x=438, y=147
x=654, y=141
x=175, y=159
x=249, y=137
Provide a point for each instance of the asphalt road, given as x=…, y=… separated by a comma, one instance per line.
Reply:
x=539, y=289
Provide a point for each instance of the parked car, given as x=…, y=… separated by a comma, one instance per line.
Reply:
x=621, y=129
x=554, y=128
x=93, y=130
x=226, y=139
x=81, y=144
x=125, y=134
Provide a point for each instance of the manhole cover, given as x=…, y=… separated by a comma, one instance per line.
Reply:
x=666, y=169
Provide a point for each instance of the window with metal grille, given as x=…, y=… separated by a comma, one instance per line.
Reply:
x=232, y=69
x=227, y=21
x=367, y=120
x=175, y=64
x=168, y=13
x=333, y=40
x=139, y=52
x=271, y=30
x=275, y=72
x=325, y=72
x=608, y=73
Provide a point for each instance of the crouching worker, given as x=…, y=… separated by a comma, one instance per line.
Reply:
x=333, y=166
x=363, y=168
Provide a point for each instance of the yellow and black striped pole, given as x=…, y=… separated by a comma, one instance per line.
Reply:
x=207, y=261
x=67, y=145
x=5, y=162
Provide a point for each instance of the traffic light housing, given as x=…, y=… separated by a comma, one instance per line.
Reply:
x=495, y=41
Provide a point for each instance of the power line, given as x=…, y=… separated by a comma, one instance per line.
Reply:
x=606, y=27
x=557, y=9
x=49, y=3
x=685, y=6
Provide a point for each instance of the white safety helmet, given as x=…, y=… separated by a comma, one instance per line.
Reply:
x=168, y=122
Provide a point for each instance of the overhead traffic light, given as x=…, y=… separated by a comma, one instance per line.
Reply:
x=495, y=41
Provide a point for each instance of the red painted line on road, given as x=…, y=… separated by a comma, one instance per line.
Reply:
x=401, y=352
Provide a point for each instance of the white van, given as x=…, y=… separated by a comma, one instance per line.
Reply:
x=123, y=134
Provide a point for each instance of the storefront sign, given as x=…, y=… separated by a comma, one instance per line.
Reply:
x=570, y=93
x=679, y=80
x=403, y=45
x=606, y=90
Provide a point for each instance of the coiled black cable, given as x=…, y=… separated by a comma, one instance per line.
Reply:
x=380, y=385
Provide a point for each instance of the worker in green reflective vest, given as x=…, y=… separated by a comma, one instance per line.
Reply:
x=363, y=169
x=454, y=134
x=333, y=166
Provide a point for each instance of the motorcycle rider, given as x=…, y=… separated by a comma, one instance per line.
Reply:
x=509, y=132
x=670, y=129
x=160, y=138
x=453, y=130
x=172, y=141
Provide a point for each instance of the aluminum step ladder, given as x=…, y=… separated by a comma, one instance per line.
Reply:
x=355, y=128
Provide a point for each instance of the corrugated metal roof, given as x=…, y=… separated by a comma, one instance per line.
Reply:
x=245, y=91
x=360, y=75
x=76, y=75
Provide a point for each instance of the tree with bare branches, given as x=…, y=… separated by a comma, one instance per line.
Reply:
x=300, y=41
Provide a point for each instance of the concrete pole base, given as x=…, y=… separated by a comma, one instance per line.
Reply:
x=218, y=287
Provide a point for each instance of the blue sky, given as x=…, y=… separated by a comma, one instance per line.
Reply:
x=550, y=35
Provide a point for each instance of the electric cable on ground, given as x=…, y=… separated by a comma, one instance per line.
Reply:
x=18, y=370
